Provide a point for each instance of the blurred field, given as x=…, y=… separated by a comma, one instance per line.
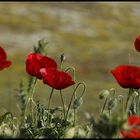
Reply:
x=94, y=36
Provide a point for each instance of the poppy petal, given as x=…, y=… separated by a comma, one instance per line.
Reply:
x=36, y=61
x=3, y=62
x=56, y=79
x=127, y=76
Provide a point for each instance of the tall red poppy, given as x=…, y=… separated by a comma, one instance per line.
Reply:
x=133, y=131
x=3, y=62
x=137, y=43
x=127, y=76
x=36, y=61
x=56, y=79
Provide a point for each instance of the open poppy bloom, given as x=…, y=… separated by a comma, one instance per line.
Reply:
x=56, y=79
x=3, y=62
x=137, y=43
x=133, y=131
x=36, y=61
x=127, y=76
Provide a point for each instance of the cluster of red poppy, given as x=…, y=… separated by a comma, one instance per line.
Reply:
x=128, y=76
x=43, y=67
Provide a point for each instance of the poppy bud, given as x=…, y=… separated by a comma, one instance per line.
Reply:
x=103, y=94
x=70, y=133
x=136, y=93
x=77, y=103
x=62, y=57
x=112, y=103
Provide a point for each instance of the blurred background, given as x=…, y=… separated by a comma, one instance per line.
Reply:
x=94, y=36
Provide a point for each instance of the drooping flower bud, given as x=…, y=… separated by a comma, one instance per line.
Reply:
x=103, y=94
x=112, y=103
x=77, y=103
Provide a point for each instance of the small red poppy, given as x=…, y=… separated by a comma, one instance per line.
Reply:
x=127, y=76
x=133, y=131
x=3, y=62
x=137, y=43
x=56, y=79
x=36, y=61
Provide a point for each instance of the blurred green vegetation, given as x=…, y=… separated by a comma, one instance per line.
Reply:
x=94, y=36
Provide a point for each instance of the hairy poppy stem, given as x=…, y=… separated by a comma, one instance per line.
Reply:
x=73, y=96
x=32, y=88
x=30, y=95
x=50, y=98
x=138, y=103
x=62, y=102
x=74, y=77
x=128, y=97
x=62, y=57
x=50, y=102
x=104, y=104
x=122, y=102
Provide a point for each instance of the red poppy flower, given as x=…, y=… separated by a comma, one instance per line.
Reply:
x=56, y=79
x=137, y=43
x=133, y=128
x=3, y=62
x=36, y=61
x=127, y=76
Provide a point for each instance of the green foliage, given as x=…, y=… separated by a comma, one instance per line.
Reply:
x=107, y=127
x=8, y=126
x=40, y=48
x=22, y=97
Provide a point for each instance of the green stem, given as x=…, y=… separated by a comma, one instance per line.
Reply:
x=49, y=103
x=74, y=77
x=30, y=95
x=122, y=106
x=70, y=104
x=138, y=103
x=61, y=92
x=34, y=114
x=61, y=66
x=104, y=104
x=73, y=96
x=120, y=98
x=50, y=98
x=32, y=89
x=128, y=97
x=62, y=102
